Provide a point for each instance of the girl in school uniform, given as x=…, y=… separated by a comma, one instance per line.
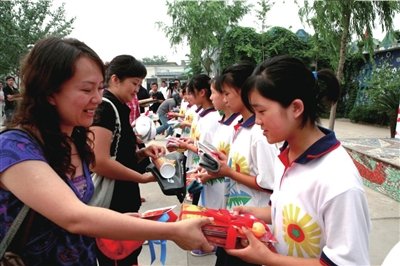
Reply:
x=318, y=211
x=213, y=193
x=203, y=129
x=249, y=167
x=204, y=125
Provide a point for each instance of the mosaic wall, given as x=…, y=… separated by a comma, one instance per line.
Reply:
x=380, y=175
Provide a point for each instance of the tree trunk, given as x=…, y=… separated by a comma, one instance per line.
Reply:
x=342, y=58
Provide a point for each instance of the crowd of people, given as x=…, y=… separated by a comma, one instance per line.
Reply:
x=275, y=160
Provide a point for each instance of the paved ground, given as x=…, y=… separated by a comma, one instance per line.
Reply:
x=384, y=211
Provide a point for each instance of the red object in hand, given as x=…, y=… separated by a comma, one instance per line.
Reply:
x=120, y=249
x=117, y=249
x=225, y=231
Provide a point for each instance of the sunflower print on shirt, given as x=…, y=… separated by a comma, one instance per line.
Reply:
x=301, y=233
x=234, y=196
x=194, y=132
x=240, y=164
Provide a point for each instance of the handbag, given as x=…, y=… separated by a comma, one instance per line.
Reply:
x=9, y=258
x=175, y=185
x=103, y=186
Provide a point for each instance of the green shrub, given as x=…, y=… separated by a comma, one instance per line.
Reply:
x=368, y=114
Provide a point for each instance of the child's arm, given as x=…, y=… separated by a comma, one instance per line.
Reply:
x=185, y=124
x=258, y=253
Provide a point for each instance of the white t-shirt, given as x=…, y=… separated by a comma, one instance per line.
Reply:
x=250, y=154
x=163, y=90
x=192, y=159
x=207, y=125
x=213, y=193
x=319, y=209
x=203, y=129
x=190, y=114
x=182, y=111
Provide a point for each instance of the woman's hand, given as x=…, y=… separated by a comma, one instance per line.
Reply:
x=256, y=252
x=153, y=151
x=133, y=214
x=188, y=234
x=147, y=178
x=139, y=139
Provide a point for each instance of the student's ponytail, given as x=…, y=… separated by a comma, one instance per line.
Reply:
x=327, y=89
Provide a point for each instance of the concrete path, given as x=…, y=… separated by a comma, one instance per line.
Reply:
x=384, y=211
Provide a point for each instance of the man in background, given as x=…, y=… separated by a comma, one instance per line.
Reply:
x=164, y=89
x=156, y=95
x=11, y=96
x=141, y=95
x=1, y=104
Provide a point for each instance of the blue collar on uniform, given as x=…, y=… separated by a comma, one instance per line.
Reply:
x=198, y=109
x=248, y=123
x=230, y=119
x=206, y=111
x=321, y=147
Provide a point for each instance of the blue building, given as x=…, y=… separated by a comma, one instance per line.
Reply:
x=387, y=51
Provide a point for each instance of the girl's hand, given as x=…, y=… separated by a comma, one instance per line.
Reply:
x=263, y=213
x=186, y=140
x=183, y=143
x=203, y=176
x=184, y=124
x=256, y=252
x=241, y=209
x=171, y=115
x=224, y=170
x=188, y=234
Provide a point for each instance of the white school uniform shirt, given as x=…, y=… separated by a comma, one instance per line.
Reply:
x=207, y=124
x=182, y=111
x=189, y=117
x=213, y=193
x=192, y=158
x=251, y=154
x=204, y=129
x=319, y=209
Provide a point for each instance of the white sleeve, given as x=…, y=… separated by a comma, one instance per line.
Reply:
x=347, y=227
x=264, y=156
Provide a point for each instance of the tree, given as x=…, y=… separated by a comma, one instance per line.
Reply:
x=202, y=24
x=279, y=41
x=384, y=90
x=155, y=60
x=336, y=21
x=240, y=43
x=261, y=14
x=22, y=23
